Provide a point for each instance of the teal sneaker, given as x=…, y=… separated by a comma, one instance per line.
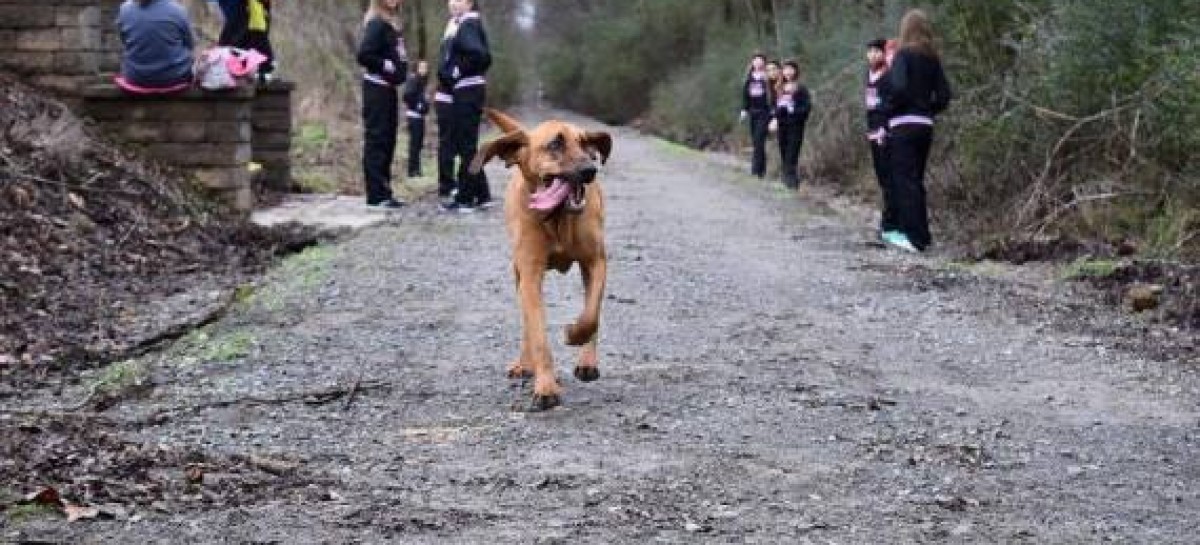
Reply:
x=899, y=240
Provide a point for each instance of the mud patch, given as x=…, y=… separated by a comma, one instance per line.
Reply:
x=1180, y=303
x=1113, y=270
x=1038, y=249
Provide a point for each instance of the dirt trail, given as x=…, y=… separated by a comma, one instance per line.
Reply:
x=766, y=377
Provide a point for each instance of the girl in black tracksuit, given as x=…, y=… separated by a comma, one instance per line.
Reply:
x=382, y=55
x=792, y=106
x=917, y=91
x=465, y=60
x=757, y=101
x=443, y=103
x=876, y=86
x=416, y=108
x=443, y=106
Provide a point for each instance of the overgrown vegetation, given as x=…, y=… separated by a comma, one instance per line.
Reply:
x=94, y=237
x=1073, y=119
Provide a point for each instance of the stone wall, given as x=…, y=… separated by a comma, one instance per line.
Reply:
x=58, y=44
x=207, y=134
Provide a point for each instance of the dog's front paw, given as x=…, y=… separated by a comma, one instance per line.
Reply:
x=518, y=370
x=545, y=403
x=546, y=395
x=587, y=373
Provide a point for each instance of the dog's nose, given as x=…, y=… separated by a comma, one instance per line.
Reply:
x=587, y=174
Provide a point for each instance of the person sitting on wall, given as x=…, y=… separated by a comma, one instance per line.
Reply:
x=157, y=41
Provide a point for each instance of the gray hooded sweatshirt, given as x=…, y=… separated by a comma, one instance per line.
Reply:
x=158, y=41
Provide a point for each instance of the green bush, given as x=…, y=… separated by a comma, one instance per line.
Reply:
x=686, y=109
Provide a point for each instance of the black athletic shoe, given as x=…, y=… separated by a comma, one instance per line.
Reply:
x=390, y=204
x=458, y=207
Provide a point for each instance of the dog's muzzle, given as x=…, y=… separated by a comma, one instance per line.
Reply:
x=567, y=191
x=585, y=175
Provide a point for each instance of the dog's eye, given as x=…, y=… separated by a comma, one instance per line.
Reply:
x=557, y=145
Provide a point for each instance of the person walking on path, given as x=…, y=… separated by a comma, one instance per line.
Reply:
x=792, y=106
x=756, y=107
x=416, y=104
x=465, y=60
x=917, y=91
x=381, y=53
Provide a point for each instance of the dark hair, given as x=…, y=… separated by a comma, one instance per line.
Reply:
x=878, y=43
x=772, y=61
x=758, y=55
x=795, y=65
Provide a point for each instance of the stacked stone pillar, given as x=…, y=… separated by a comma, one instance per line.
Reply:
x=272, y=141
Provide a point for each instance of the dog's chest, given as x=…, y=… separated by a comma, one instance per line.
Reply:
x=565, y=245
x=561, y=253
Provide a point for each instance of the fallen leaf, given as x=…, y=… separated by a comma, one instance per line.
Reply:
x=78, y=512
x=21, y=197
x=45, y=496
x=272, y=466
x=194, y=474
x=813, y=526
x=114, y=510
x=76, y=201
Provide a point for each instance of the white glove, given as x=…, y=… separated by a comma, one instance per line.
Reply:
x=773, y=126
x=742, y=116
x=388, y=66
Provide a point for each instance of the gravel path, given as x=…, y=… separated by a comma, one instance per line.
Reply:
x=766, y=377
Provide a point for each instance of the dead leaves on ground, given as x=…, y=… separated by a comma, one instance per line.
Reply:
x=82, y=469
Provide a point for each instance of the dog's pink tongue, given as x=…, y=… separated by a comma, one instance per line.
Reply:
x=549, y=198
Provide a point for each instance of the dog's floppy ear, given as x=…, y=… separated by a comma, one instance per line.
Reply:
x=507, y=147
x=502, y=121
x=598, y=142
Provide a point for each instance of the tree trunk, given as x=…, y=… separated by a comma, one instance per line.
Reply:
x=420, y=28
x=777, y=17
x=752, y=12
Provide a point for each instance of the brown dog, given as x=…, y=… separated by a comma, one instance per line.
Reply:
x=554, y=211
